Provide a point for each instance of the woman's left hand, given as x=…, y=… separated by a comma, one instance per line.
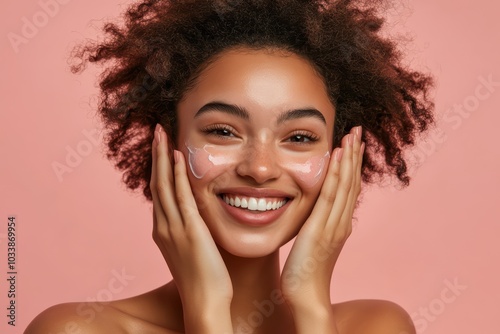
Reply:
x=306, y=276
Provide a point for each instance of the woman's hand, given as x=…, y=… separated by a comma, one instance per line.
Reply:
x=184, y=240
x=306, y=276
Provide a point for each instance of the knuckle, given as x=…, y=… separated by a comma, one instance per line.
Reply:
x=336, y=173
x=160, y=230
x=158, y=239
x=328, y=195
x=341, y=236
x=162, y=186
x=159, y=233
x=182, y=201
x=186, y=202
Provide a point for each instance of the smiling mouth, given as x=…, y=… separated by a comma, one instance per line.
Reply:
x=254, y=203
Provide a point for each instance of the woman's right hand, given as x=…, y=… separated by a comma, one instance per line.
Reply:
x=197, y=267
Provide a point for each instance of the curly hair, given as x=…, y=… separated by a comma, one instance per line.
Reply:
x=163, y=45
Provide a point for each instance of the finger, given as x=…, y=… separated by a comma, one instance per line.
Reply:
x=344, y=187
x=359, y=165
x=356, y=190
x=355, y=157
x=347, y=216
x=345, y=223
x=163, y=186
x=357, y=171
x=326, y=198
x=157, y=208
x=324, y=203
x=184, y=195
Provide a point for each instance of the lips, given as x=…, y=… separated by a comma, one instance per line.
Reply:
x=254, y=206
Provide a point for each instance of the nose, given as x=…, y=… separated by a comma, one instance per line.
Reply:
x=260, y=164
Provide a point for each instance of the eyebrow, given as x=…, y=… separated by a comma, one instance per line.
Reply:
x=241, y=112
x=300, y=113
x=230, y=109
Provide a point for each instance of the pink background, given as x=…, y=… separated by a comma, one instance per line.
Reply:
x=407, y=246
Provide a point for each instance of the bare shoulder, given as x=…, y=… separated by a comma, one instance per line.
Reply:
x=76, y=318
x=371, y=316
x=152, y=312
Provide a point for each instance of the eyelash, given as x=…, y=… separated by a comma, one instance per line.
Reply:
x=310, y=136
x=212, y=130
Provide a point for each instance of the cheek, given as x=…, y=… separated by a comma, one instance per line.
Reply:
x=310, y=172
x=207, y=163
x=198, y=161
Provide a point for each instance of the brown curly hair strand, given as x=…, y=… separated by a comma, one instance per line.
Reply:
x=163, y=46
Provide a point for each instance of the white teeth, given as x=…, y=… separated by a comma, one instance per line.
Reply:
x=261, y=205
x=253, y=204
x=244, y=203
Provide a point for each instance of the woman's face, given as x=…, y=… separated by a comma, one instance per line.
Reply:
x=256, y=130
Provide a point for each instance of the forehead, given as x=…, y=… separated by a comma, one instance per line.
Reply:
x=268, y=80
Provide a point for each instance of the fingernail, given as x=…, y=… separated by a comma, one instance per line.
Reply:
x=338, y=154
x=359, y=130
x=176, y=156
x=362, y=148
x=349, y=138
x=158, y=133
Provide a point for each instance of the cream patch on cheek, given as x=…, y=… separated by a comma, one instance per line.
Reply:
x=308, y=172
x=199, y=162
x=208, y=158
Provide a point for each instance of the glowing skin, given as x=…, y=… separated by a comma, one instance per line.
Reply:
x=257, y=129
x=310, y=171
x=210, y=157
x=202, y=160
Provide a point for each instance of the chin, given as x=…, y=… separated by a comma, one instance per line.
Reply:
x=250, y=246
x=249, y=241
x=252, y=234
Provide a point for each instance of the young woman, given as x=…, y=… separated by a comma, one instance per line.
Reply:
x=249, y=123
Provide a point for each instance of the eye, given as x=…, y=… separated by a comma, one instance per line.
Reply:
x=299, y=139
x=303, y=137
x=219, y=130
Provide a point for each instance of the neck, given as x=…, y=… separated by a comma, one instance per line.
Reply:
x=257, y=305
x=253, y=278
